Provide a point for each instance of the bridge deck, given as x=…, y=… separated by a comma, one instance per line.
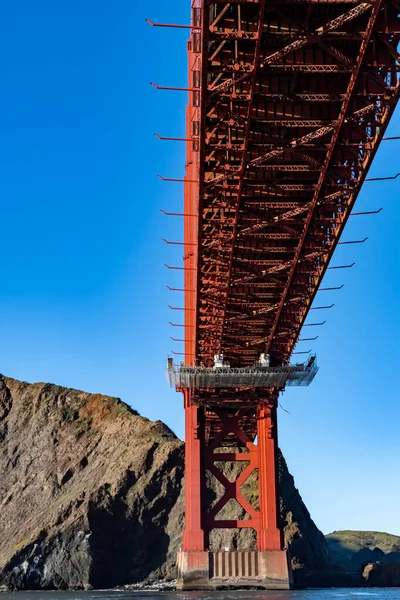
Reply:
x=290, y=103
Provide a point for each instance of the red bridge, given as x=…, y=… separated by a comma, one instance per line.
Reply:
x=288, y=102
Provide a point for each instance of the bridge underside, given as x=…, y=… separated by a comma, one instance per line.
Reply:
x=293, y=100
x=289, y=101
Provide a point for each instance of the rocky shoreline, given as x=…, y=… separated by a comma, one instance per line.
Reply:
x=92, y=497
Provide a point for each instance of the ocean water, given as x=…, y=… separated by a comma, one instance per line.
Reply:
x=323, y=594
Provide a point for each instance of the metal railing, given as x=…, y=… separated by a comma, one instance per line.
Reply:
x=300, y=374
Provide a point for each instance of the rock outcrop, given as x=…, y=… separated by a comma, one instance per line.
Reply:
x=382, y=574
x=91, y=494
x=86, y=491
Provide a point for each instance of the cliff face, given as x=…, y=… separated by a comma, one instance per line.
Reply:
x=307, y=544
x=382, y=574
x=86, y=490
x=91, y=493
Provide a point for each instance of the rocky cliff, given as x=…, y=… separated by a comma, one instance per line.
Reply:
x=91, y=494
x=382, y=574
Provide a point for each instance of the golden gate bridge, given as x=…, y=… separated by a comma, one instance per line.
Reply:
x=288, y=103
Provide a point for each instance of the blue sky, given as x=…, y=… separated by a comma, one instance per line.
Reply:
x=83, y=301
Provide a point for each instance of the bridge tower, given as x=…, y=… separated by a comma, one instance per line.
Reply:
x=226, y=426
x=288, y=103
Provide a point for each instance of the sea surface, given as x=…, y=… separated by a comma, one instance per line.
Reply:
x=323, y=594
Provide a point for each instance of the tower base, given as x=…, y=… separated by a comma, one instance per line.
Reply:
x=269, y=570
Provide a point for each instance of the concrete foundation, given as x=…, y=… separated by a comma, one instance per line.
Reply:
x=210, y=570
x=193, y=571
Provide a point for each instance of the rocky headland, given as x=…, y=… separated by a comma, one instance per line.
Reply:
x=374, y=554
x=91, y=496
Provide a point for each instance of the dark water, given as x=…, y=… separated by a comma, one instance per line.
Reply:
x=336, y=594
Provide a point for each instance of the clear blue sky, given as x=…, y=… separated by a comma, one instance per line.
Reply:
x=83, y=301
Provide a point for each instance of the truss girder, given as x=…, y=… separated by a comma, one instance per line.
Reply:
x=294, y=100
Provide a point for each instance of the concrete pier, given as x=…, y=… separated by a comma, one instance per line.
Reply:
x=270, y=570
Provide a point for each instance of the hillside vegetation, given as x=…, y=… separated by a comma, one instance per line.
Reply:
x=354, y=549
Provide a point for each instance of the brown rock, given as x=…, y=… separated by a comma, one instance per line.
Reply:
x=382, y=574
x=91, y=496
x=86, y=490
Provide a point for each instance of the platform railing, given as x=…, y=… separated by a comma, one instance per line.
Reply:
x=300, y=374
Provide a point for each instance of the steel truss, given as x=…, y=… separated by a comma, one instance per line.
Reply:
x=280, y=156
x=288, y=102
